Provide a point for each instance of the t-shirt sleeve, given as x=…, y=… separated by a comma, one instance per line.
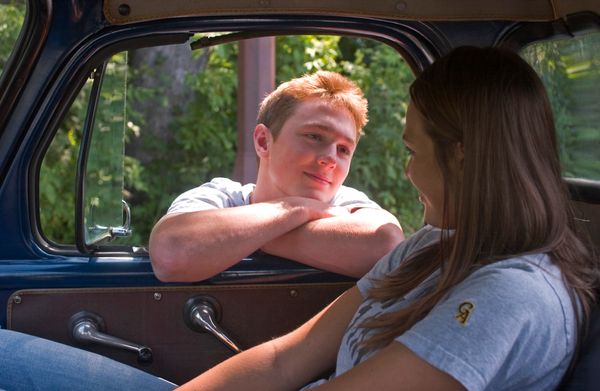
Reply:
x=485, y=327
x=353, y=199
x=216, y=194
x=419, y=240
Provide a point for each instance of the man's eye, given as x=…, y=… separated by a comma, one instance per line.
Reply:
x=313, y=136
x=344, y=150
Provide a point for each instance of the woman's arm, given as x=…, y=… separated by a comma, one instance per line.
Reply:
x=394, y=367
x=288, y=362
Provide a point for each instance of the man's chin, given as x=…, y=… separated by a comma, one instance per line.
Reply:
x=318, y=196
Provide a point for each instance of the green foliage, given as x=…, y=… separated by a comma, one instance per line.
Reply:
x=104, y=172
x=57, y=174
x=202, y=136
x=104, y=179
x=203, y=144
x=12, y=15
x=378, y=167
x=570, y=70
x=378, y=163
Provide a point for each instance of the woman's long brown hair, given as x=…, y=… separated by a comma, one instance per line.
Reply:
x=510, y=198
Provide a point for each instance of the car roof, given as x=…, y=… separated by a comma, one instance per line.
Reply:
x=119, y=12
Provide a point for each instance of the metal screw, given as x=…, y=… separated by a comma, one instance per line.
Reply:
x=157, y=296
x=401, y=6
x=294, y=293
x=17, y=299
x=264, y=3
x=124, y=9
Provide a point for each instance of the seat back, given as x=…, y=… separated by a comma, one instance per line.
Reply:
x=586, y=374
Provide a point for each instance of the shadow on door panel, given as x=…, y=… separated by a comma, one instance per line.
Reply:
x=159, y=319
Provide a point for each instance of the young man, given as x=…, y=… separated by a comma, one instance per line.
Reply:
x=306, y=135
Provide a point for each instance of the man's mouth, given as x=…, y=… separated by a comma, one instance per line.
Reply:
x=318, y=178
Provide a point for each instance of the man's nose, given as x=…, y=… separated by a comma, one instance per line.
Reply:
x=328, y=157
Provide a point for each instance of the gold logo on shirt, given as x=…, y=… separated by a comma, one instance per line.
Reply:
x=465, y=309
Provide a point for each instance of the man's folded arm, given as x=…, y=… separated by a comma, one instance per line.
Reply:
x=193, y=246
x=345, y=244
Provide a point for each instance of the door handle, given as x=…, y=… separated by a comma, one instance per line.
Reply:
x=88, y=327
x=201, y=313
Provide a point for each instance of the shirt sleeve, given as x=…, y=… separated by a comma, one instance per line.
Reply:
x=494, y=326
x=419, y=240
x=353, y=199
x=216, y=194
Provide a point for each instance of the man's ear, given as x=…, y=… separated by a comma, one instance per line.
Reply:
x=263, y=139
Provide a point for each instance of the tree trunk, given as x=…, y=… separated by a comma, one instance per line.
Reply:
x=161, y=72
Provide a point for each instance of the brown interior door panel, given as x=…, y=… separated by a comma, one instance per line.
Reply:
x=154, y=317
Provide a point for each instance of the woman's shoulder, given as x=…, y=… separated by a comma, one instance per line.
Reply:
x=425, y=236
x=512, y=311
x=536, y=268
x=531, y=279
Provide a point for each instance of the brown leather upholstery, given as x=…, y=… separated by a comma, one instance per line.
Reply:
x=154, y=317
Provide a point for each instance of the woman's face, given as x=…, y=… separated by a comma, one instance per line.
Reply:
x=423, y=170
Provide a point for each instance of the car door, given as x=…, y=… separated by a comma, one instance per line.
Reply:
x=86, y=169
x=96, y=168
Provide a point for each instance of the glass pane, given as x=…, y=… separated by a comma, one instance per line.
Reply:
x=103, y=190
x=570, y=69
x=12, y=15
x=104, y=183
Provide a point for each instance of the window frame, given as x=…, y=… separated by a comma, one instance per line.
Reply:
x=23, y=58
x=417, y=51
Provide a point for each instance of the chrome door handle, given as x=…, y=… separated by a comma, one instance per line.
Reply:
x=87, y=327
x=201, y=314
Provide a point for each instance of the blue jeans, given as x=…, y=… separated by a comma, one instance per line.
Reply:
x=32, y=363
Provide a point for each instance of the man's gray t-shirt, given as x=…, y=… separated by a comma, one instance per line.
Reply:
x=225, y=193
x=509, y=325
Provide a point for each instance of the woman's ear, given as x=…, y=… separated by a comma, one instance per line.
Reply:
x=460, y=155
x=263, y=139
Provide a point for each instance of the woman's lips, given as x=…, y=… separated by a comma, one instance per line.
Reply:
x=318, y=178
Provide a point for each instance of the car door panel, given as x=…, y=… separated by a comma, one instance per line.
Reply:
x=154, y=317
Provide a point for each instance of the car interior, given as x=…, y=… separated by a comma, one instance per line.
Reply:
x=170, y=89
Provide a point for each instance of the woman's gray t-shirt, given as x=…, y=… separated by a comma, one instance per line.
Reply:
x=509, y=325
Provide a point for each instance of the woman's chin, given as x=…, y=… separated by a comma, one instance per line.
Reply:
x=432, y=220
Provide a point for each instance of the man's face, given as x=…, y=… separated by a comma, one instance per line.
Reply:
x=312, y=153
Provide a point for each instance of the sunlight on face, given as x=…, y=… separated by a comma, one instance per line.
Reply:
x=422, y=168
x=312, y=154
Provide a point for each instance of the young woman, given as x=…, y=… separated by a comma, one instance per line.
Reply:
x=492, y=293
